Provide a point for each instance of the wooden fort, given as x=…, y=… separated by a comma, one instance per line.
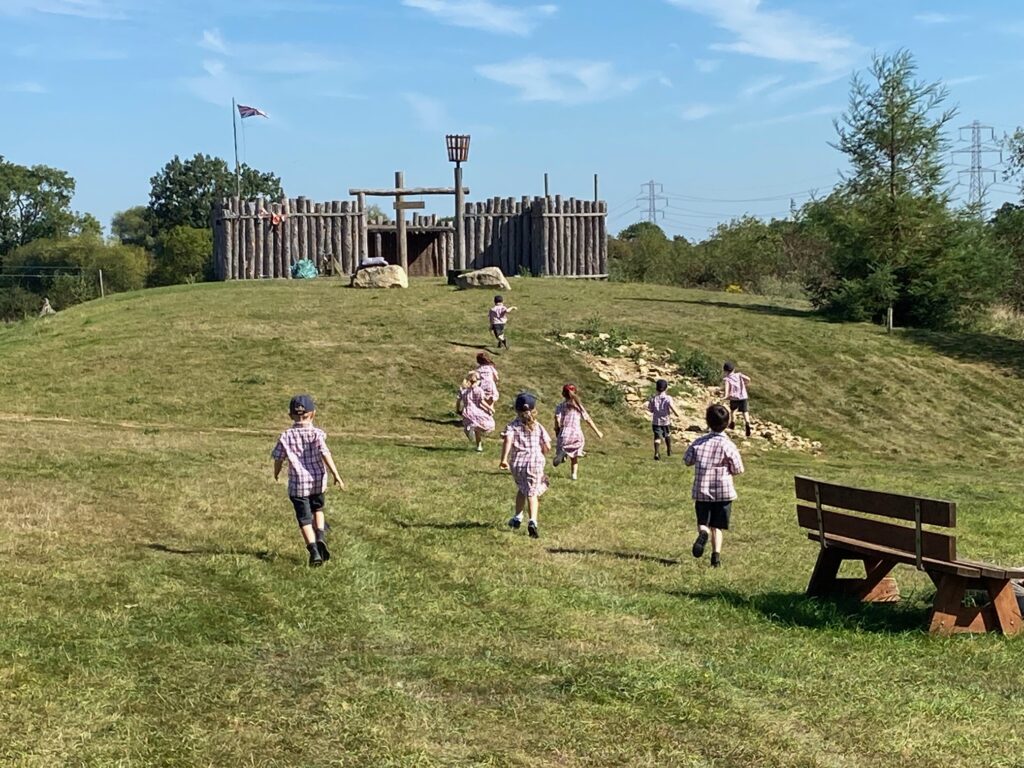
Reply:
x=540, y=236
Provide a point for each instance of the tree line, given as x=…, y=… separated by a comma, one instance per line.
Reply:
x=886, y=238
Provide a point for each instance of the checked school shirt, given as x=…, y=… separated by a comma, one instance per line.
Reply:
x=304, y=447
x=498, y=314
x=715, y=459
x=660, y=407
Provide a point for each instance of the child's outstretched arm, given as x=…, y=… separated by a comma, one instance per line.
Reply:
x=506, y=448
x=329, y=461
x=278, y=464
x=593, y=426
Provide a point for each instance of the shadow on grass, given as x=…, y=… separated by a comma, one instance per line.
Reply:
x=437, y=448
x=615, y=554
x=479, y=347
x=758, y=309
x=795, y=609
x=998, y=351
x=451, y=422
x=261, y=554
x=458, y=525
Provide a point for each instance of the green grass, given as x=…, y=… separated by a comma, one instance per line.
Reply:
x=155, y=608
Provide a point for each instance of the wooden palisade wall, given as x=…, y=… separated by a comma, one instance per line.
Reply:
x=540, y=236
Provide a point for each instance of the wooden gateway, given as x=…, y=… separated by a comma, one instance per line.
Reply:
x=825, y=509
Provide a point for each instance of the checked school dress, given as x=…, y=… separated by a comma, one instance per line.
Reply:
x=488, y=381
x=473, y=414
x=526, y=458
x=571, y=439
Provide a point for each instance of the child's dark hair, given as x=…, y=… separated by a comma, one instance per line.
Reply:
x=483, y=358
x=717, y=417
x=729, y=366
x=661, y=385
x=499, y=300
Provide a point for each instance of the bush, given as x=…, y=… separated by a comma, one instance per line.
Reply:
x=697, y=365
x=16, y=303
x=183, y=255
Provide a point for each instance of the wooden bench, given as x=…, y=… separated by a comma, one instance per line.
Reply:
x=824, y=509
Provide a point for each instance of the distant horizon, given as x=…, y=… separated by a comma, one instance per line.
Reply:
x=727, y=104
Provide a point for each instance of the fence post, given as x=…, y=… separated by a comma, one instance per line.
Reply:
x=102, y=292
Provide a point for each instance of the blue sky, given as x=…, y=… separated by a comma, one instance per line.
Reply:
x=726, y=103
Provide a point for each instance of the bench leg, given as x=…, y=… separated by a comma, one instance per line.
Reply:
x=1004, y=604
x=947, y=612
x=823, y=578
x=878, y=586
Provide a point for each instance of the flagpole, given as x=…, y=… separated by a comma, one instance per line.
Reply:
x=234, y=126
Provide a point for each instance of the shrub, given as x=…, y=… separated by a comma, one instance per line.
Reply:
x=697, y=365
x=183, y=255
x=16, y=303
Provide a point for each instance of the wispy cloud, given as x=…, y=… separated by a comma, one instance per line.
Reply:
x=562, y=80
x=216, y=85
x=707, y=66
x=787, y=92
x=84, y=52
x=85, y=9
x=486, y=15
x=963, y=80
x=698, y=111
x=26, y=86
x=430, y=113
x=939, y=18
x=791, y=118
x=760, y=85
x=774, y=34
x=212, y=40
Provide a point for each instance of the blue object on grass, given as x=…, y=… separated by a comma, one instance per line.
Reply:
x=304, y=269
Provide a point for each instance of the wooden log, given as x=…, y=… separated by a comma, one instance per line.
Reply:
x=287, y=236
x=592, y=255
x=487, y=223
x=220, y=228
x=233, y=243
x=602, y=239
x=512, y=238
x=345, y=244
x=577, y=238
x=407, y=191
x=525, y=234
x=300, y=229
x=569, y=267
x=378, y=242
x=268, y=240
x=474, y=225
x=275, y=242
x=258, y=224
x=249, y=240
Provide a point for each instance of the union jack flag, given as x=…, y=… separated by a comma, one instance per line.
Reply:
x=245, y=111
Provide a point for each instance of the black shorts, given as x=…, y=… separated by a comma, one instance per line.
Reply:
x=739, y=405
x=305, y=506
x=498, y=328
x=661, y=431
x=714, y=514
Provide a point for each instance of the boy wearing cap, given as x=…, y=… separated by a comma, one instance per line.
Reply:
x=525, y=452
x=716, y=459
x=309, y=459
x=662, y=410
x=497, y=317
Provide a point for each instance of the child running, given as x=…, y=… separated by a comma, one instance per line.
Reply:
x=305, y=449
x=735, y=387
x=716, y=460
x=497, y=317
x=477, y=412
x=488, y=376
x=662, y=410
x=570, y=415
x=524, y=452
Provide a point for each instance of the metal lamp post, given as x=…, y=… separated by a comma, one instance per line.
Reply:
x=458, y=153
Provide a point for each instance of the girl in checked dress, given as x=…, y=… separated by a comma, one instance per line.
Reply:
x=525, y=453
x=477, y=412
x=570, y=415
x=488, y=376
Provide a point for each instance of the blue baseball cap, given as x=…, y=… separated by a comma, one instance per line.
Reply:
x=525, y=402
x=301, y=404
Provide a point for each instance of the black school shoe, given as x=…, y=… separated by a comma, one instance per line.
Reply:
x=700, y=543
x=315, y=560
x=531, y=528
x=325, y=554
x=716, y=560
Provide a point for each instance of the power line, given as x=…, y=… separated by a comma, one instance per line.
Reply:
x=651, y=193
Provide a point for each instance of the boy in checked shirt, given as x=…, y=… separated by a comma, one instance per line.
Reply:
x=497, y=317
x=715, y=459
x=305, y=449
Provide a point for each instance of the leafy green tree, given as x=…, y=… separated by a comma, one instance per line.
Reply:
x=184, y=191
x=134, y=226
x=183, y=255
x=892, y=240
x=1007, y=229
x=35, y=202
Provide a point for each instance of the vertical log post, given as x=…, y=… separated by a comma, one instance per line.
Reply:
x=400, y=236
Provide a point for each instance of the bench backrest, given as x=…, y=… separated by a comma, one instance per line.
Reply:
x=824, y=507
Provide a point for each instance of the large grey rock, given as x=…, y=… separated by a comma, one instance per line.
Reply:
x=391, y=276
x=488, y=277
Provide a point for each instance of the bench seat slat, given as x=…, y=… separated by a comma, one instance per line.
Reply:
x=933, y=511
x=968, y=570
x=938, y=546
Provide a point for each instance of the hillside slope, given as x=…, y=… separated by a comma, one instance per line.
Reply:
x=155, y=606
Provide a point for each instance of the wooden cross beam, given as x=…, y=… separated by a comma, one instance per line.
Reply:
x=407, y=191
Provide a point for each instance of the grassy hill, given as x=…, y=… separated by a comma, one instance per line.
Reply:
x=155, y=608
